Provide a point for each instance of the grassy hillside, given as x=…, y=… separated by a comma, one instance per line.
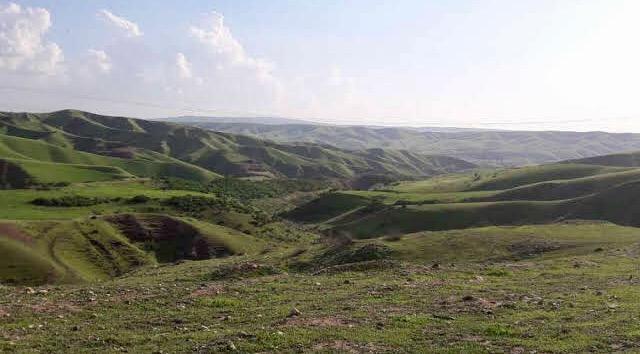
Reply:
x=494, y=148
x=554, y=288
x=631, y=159
x=91, y=250
x=565, y=189
x=484, y=261
x=37, y=156
x=528, y=195
x=180, y=151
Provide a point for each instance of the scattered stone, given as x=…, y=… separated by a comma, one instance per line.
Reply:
x=29, y=291
x=294, y=312
x=443, y=317
x=468, y=298
x=231, y=346
x=245, y=335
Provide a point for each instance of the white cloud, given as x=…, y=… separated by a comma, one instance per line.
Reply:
x=128, y=28
x=99, y=61
x=22, y=47
x=183, y=66
x=218, y=37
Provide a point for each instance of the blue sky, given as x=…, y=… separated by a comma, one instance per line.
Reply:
x=569, y=65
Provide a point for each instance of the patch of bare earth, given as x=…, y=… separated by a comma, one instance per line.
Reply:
x=469, y=304
x=13, y=232
x=208, y=290
x=343, y=346
x=329, y=321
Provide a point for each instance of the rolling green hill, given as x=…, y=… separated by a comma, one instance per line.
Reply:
x=145, y=148
x=88, y=250
x=630, y=159
x=490, y=148
x=520, y=196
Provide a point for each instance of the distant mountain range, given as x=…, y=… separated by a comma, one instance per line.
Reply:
x=76, y=143
x=249, y=120
x=483, y=147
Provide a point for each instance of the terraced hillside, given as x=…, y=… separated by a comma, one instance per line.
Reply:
x=484, y=147
x=145, y=148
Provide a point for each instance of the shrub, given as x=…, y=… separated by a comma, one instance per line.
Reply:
x=138, y=199
x=70, y=201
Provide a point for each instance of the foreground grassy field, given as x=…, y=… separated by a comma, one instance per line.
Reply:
x=557, y=293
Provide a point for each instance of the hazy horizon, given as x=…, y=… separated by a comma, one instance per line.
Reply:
x=530, y=65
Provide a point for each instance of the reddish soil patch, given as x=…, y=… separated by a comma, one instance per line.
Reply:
x=185, y=241
x=4, y=312
x=210, y=290
x=122, y=152
x=13, y=232
x=468, y=304
x=343, y=346
x=330, y=321
x=58, y=307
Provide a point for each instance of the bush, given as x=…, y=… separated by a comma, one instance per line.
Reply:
x=69, y=201
x=138, y=199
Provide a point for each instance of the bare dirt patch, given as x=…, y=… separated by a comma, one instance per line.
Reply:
x=13, y=232
x=208, y=290
x=329, y=321
x=343, y=346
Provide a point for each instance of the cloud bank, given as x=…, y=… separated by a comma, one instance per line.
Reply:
x=22, y=44
x=209, y=72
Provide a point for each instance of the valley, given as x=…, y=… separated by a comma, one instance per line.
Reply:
x=125, y=235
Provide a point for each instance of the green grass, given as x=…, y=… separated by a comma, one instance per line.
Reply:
x=512, y=178
x=69, y=165
x=573, y=299
x=162, y=149
x=565, y=189
x=493, y=243
x=84, y=250
x=47, y=172
x=17, y=202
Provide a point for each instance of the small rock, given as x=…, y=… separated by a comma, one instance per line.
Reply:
x=318, y=284
x=232, y=346
x=29, y=291
x=294, y=312
x=280, y=333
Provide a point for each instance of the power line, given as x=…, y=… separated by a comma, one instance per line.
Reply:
x=194, y=110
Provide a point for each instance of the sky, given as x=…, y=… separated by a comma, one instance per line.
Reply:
x=527, y=64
